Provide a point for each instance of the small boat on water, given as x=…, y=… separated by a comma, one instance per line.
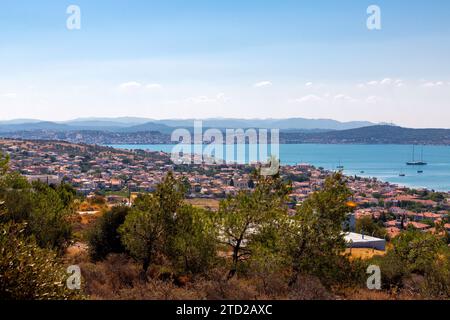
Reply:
x=362, y=171
x=402, y=175
x=414, y=162
x=419, y=171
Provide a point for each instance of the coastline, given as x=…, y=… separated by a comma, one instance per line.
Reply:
x=383, y=162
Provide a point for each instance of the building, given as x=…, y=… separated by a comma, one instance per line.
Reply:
x=356, y=240
x=48, y=179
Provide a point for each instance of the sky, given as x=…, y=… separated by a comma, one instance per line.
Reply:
x=241, y=59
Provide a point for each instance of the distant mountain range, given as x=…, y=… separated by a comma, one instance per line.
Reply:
x=133, y=124
x=380, y=134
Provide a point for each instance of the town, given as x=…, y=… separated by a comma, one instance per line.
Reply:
x=119, y=175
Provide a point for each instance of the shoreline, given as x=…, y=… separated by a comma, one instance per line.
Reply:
x=387, y=172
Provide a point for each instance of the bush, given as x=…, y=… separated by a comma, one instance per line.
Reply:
x=309, y=288
x=45, y=209
x=104, y=237
x=28, y=272
x=417, y=261
x=49, y=217
x=193, y=244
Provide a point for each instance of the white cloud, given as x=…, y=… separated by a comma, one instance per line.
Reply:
x=343, y=97
x=9, y=95
x=373, y=100
x=308, y=98
x=133, y=86
x=262, y=84
x=130, y=85
x=153, y=86
x=399, y=83
x=220, y=97
x=386, y=81
x=433, y=84
x=308, y=84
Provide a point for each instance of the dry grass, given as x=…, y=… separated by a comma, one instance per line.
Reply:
x=364, y=254
x=212, y=204
x=366, y=294
x=120, y=278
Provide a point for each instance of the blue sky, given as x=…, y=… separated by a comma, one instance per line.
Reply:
x=198, y=58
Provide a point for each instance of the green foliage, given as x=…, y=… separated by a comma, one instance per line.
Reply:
x=150, y=227
x=170, y=195
x=297, y=177
x=246, y=217
x=45, y=209
x=66, y=193
x=4, y=161
x=159, y=224
x=417, y=250
x=15, y=191
x=28, y=272
x=269, y=263
x=314, y=236
x=48, y=218
x=143, y=230
x=193, y=247
x=104, y=237
x=366, y=225
x=419, y=253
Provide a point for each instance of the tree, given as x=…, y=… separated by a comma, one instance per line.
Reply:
x=420, y=253
x=194, y=242
x=314, y=238
x=66, y=193
x=45, y=210
x=15, y=191
x=49, y=217
x=368, y=226
x=150, y=226
x=247, y=215
x=105, y=238
x=143, y=230
x=4, y=164
x=28, y=272
x=417, y=250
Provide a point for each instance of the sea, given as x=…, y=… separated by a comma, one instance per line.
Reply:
x=385, y=162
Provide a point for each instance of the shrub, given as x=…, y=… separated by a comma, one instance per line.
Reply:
x=28, y=272
x=104, y=237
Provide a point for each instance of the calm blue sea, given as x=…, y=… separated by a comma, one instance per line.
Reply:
x=385, y=162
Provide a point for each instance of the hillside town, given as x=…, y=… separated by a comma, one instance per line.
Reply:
x=119, y=174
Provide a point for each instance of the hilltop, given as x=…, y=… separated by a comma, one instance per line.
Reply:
x=381, y=134
x=128, y=124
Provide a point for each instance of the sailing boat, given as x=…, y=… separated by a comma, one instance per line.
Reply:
x=416, y=163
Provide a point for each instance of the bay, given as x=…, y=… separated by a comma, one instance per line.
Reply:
x=385, y=162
